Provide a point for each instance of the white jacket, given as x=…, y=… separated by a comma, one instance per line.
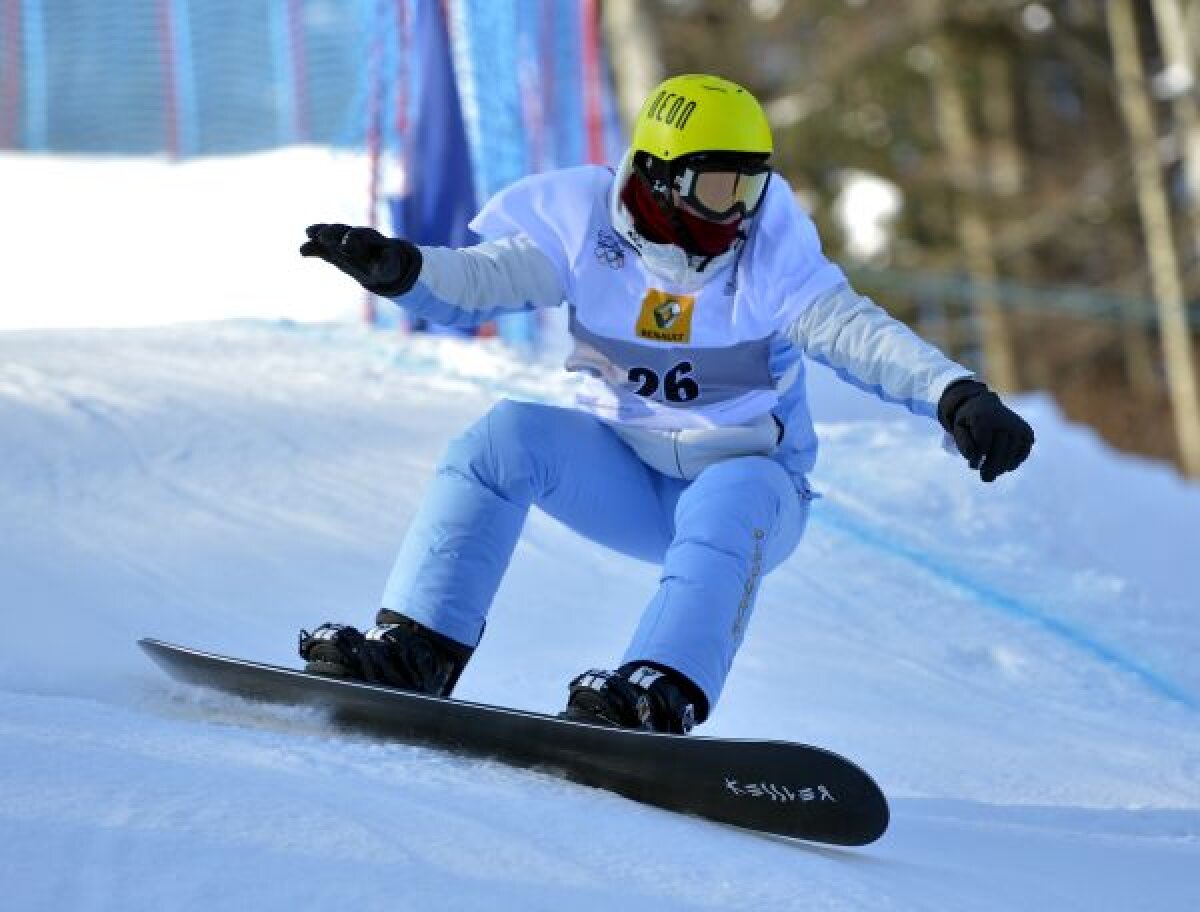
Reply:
x=783, y=300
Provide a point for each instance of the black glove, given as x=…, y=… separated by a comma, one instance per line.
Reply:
x=992, y=437
x=384, y=266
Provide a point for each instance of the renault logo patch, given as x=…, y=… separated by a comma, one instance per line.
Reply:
x=666, y=317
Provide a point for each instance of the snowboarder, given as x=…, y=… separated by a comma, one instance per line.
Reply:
x=695, y=284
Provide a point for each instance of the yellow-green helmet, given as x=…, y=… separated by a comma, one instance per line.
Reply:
x=700, y=113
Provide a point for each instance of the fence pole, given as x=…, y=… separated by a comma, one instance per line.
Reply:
x=166, y=45
x=301, y=117
x=36, y=82
x=11, y=77
x=179, y=75
x=375, y=91
x=592, y=102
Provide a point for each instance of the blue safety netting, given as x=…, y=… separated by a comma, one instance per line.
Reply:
x=205, y=77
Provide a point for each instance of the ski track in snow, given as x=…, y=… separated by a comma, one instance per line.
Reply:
x=1024, y=692
x=1009, y=605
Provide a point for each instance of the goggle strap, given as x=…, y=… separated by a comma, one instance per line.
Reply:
x=657, y=173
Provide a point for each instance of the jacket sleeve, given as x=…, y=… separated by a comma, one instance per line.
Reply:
x=873, y=351
x=469, y=286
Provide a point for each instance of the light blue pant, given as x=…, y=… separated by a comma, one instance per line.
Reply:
x=715, y=537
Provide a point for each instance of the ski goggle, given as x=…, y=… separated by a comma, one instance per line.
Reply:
x=718, y=188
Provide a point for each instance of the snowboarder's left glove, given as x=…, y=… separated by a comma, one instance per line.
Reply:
x=993, y=438
x=384, y=266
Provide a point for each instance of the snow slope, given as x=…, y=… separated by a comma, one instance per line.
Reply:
x=1015, y=663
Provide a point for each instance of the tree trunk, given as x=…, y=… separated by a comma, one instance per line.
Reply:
x=974, y=232
x=1156, y=227
x=1006, y=169
x=1177, y=56
x=632, y=39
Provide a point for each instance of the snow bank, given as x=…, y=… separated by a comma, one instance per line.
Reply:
x=1024, y=691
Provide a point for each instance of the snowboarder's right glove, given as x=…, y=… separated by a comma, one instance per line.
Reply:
x=384, y=266
x=993, y=438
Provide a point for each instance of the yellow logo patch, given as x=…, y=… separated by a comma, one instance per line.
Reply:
x=666, y=317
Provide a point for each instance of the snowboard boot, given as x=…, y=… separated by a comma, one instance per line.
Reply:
x=637, y=695
x=397, y=652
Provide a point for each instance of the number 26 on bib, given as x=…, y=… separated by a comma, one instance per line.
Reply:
x=675, y=385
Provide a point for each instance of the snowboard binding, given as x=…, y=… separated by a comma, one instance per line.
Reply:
x=637, y=695
x=397, y=652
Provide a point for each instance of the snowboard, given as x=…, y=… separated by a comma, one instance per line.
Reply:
x=773, y=787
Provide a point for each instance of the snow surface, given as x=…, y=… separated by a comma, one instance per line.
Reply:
x=134, y=242
x=1015, y=663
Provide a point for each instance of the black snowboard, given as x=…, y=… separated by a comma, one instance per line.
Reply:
x=771, y=786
